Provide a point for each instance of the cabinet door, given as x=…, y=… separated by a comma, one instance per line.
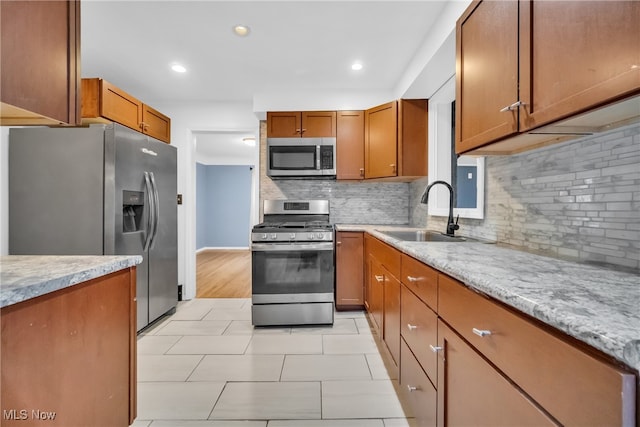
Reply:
x=380, y=135
x=419, y=328
x=486, y=73
x=575, y=56
x=318, y=124
x=417, y=388
x=39, y=55
x=349, y=269
x=119, y=106
x=156, y=124
x=376, y=295
x=472, y=392
x=413, y=118
x=392, y=315
x=284, y=124
x=350, y=144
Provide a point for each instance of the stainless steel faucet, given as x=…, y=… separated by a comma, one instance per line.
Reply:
x=451, y=226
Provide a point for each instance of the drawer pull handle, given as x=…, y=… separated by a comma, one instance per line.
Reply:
x=413, y=279
x=481, y=332
x=412, y=388
x=379, y=278
x=411, y=327
x=435, y=349
x=512, y=107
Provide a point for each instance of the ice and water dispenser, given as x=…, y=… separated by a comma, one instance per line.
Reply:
x=132, y=211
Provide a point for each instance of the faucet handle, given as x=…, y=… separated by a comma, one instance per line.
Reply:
x=453, y=226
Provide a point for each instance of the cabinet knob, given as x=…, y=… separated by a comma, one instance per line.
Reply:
x=481, y=332
x=412, y=388
x=379, y=278
x=361, y=171
x=393, y=167
x=411, y=327
x=338, y=243
x=435, y=348
x=413, y=279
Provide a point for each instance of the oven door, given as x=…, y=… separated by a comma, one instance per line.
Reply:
x=292, y=272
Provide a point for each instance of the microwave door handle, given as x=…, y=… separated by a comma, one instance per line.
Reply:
x=317, y=157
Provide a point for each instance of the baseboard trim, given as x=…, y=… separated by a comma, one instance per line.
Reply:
x=222, y=248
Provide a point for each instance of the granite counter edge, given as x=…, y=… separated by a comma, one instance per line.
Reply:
x=10, y=295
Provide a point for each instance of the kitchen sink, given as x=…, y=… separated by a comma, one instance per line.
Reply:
x=421, y=236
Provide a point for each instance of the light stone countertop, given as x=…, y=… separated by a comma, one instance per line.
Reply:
x=23, y=277
x=598, y=306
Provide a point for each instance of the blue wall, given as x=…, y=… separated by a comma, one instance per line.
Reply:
x=223, y=206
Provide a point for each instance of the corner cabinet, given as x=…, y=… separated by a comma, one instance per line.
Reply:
x=104, y=102
x=396, y=139
x=295, y=124
x=349, y=270
x=350, y=145
x=523, y=65
x=40, y=62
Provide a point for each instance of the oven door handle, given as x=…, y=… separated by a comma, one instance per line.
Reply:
x=276, y=247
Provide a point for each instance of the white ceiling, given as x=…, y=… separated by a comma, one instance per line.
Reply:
x=293, y=46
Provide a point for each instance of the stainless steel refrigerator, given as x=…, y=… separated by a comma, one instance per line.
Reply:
x=98, y=190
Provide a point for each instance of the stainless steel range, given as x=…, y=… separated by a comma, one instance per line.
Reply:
x=292, y=255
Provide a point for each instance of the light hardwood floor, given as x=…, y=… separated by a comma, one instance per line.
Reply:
x=223, y=274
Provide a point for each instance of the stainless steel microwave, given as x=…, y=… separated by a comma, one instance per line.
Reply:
x=301, y=157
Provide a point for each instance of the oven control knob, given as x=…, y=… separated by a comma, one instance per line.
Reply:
x=292, y=236
x=273, y=236
x=264, y=236
x=311, y=236
x=320, y=236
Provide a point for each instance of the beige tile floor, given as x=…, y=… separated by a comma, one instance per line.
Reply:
x=206, y=366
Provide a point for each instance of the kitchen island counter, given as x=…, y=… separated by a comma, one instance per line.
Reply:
x=68, y=339
x=23, y=277
x=598, y=306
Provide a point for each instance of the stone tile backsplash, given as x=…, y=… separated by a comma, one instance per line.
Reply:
x=350, y=202
x=577, y=200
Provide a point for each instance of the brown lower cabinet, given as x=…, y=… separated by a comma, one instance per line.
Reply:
x=486, y=364
x=349, y=270
x=70, y=356
x=383, y=292
x=472, y=393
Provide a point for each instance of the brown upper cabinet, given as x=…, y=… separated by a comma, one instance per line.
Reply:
x=350, y=145
x=40, y=62
x=104, y=102
x=524, y=65
x=396, y=139
x=308, y=124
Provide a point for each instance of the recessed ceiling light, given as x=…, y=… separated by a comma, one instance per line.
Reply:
x=178, y=68
x=241, y=30
x=356, y=66
x=250, y=141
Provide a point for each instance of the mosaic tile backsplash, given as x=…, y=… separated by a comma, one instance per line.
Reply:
x=578, y=200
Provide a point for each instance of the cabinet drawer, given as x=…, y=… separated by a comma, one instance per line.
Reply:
x=573, y=386
x=385, y=254
x=417, y=388
x=421, y=279
x=419, y=328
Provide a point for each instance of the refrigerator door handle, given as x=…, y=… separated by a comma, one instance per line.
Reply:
x=152, y=211
x=157, y=209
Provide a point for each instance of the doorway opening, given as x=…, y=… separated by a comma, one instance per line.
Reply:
x=226, y=186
